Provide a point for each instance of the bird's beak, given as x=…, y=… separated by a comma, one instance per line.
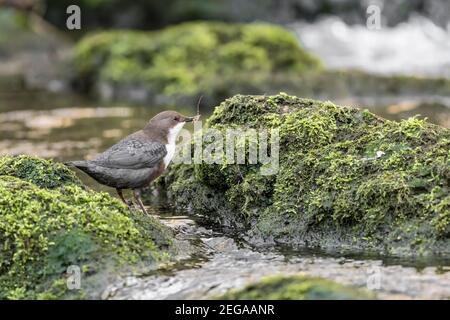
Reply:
x=188, y=119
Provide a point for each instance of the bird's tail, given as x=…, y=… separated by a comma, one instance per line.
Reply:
x=79, y=164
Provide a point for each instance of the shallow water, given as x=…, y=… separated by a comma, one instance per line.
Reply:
x=66, y=127
x=216, y=263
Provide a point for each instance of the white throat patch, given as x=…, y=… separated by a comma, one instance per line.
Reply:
x=171, y=139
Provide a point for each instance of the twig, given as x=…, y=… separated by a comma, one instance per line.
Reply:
x=198, y=104
x=197, y=117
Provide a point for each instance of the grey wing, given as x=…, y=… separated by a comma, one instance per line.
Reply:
x=132, y=154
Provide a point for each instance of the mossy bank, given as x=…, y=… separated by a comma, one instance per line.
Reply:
x=218, y=60
x=50, y=221
x=296, y=287
x=187, y=60
x=347, y=179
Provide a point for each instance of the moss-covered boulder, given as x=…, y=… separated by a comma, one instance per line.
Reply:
x=187, y=60
x=50, y=221
x=297, y=287
x=346, y=179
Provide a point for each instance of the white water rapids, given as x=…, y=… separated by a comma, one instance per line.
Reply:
x=415, y=47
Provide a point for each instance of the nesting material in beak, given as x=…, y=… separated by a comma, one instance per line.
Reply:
x=191, y=119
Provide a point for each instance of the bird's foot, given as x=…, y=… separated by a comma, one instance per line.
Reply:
x=131, y=205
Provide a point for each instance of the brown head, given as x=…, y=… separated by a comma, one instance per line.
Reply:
x=167, y=124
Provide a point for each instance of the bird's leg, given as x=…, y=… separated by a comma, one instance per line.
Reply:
x=137, y=196
x=127, y=202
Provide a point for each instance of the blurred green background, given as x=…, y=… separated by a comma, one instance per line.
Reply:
x=70, y=93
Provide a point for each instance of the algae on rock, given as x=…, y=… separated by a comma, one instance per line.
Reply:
x=50, y=221
x=297, y=287
x=347, y=179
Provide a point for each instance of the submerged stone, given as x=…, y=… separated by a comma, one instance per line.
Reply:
x=297, y=287
x=347, y=179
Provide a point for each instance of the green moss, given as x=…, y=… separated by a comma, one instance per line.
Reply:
x=296, y=288
x=43, y=173
x=190, y=58
x=49, y=221
x=346, y=178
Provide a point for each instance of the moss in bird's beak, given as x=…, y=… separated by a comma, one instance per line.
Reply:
x=190, y=119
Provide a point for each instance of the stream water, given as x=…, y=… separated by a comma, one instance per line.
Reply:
x=215, y=262
x=67, y=127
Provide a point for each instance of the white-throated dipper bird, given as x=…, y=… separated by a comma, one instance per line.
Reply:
x=139, y=158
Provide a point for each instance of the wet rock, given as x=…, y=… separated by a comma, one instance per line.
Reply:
x=220, y=244
x=326, y=192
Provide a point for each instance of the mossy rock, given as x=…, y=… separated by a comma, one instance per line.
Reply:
x=43, y=173
x=347, y=179
x=190, y=58
x=297, y=287
x=49, y=221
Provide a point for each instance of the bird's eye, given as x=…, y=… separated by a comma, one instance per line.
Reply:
x=176, y=118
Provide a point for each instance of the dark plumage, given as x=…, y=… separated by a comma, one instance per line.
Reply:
x=139, y=158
